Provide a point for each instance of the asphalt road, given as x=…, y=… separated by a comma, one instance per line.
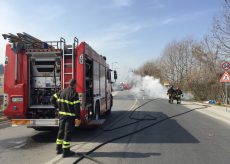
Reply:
x=189, y=138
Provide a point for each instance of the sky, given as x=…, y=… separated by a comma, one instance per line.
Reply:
x=128, y=32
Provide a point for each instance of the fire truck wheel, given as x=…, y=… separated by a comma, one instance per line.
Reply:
x=111, y=104
x=108, y=112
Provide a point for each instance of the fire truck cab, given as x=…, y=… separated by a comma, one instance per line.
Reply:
x=35, y=70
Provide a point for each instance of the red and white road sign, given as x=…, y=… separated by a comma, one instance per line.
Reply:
x=226, y=66
x=225, y=78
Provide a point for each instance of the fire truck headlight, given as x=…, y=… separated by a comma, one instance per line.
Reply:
x=17, y=99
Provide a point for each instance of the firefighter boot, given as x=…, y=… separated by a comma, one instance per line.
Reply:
x=67, y=153
x=59, y=149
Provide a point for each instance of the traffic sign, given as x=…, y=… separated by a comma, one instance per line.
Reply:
x=226, y=66
x=225, y=78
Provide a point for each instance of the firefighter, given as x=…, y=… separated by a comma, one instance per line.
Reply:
x=68, y=104
x=171, y=92
x=179, y=93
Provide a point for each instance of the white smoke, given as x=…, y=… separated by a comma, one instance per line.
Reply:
x=149, y=87
x=146, y=87
x=188, y=96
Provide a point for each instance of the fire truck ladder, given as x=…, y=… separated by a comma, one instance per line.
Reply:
x=32, y=44
x=68, y=59
x=29, y=40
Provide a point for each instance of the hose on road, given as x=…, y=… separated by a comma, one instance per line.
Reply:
x=137, y=120
x=135, y=131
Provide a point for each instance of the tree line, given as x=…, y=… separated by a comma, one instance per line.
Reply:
x=195, y=65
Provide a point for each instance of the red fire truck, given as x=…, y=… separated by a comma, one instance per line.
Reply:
x=35, y=70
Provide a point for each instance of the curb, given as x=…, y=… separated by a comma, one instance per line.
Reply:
x=215, y=115
x=211, y=111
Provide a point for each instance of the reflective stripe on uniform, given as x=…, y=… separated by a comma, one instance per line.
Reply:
x=66, y=144
x=67, y=114
x=75, y=102
x=68, y=102
x=55, y=95
x=59, y=142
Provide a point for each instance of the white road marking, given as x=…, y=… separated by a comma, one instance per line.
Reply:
x=19, y=146
x=133, y=105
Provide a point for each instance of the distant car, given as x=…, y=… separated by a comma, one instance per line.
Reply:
x=126, y=86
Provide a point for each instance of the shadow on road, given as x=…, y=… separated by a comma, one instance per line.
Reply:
x=169, y=131
x=45, y=137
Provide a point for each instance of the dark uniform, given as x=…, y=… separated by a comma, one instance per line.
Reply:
x=171, y=93
x=67, y=101
x=179, y=93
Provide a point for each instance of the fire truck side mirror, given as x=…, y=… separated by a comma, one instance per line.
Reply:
x=115, y=75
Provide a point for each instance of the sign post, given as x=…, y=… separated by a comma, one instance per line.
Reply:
x=226, y=93
x=225, y=79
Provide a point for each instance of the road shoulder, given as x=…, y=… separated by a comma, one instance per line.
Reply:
x=214, y=111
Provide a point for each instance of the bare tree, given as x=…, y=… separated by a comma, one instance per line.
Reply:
x=195, y=66
x=206, y=73
x=177, y=61
x=151, y=68
x=221, y=30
